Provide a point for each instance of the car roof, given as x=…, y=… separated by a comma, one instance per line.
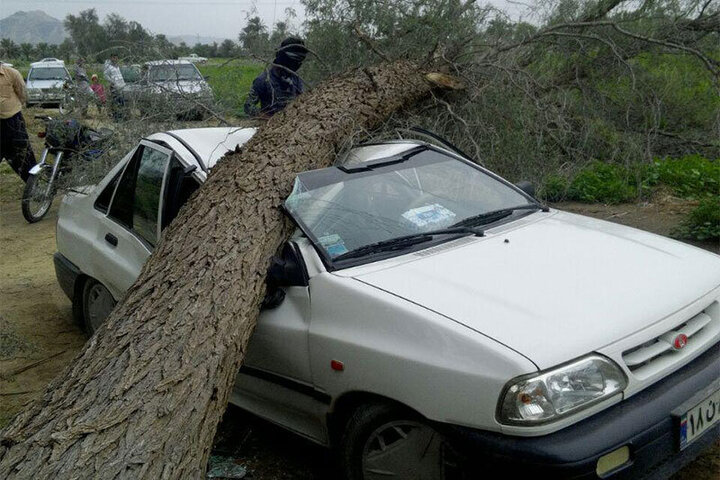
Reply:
x=211, y=143
x=169, y=62
x=53, y=64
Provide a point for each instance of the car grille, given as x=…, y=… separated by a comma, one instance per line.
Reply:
x=682, y=341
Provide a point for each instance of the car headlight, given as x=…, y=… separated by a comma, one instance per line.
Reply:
x=545, y=397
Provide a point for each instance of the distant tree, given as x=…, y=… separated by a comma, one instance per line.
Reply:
x=27, y=51
x=254, y=37
x=88, y=36
x=182, y=50
x=163, y=46
x=279, y=33
x=9, y=49
x=65, y=50
x=226, y=49
x=45, y=50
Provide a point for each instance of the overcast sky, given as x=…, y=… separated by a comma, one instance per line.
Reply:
x=216, y=18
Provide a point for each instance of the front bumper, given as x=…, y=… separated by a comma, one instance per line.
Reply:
x=42, y=98
x=643, y=422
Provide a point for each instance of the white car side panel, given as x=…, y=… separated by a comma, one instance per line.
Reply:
x=383, y=341
x=279, y=343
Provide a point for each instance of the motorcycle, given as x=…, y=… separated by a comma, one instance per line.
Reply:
x=65, y=141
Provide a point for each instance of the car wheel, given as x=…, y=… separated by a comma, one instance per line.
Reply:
x=384, y=441
x=97, y=304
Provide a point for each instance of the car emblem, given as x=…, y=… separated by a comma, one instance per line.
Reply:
x=680, y=341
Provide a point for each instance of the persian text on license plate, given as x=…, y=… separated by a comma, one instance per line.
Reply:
x=699, y=419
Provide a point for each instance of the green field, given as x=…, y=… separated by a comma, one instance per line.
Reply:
x=231, y=81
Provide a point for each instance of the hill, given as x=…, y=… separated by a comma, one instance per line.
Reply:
x=32, y=27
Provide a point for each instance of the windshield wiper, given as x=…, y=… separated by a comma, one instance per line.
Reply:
x=495, y=215
x=401, y=243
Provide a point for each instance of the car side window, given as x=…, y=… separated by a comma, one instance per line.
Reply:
x=137, y=198
x=103, y=201
x=180, y=186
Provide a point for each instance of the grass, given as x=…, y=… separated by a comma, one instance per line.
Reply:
x=231, y=81
x=691, y=177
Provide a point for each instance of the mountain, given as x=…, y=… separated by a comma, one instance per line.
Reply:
x=32, y=27
x=193, y=39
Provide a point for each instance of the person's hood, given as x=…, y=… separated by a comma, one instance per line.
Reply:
x=555, y=288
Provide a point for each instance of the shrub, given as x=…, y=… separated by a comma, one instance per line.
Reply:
x=604, y=183
x=691, y=176
x=703, y=223
x=554, y=188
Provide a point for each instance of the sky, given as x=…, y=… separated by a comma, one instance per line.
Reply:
x=209, y=18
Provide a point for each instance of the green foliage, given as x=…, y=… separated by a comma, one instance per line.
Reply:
x=703, y=223
x=691, y=176
x=602, y=182
x=231, y=82
x=554, y=188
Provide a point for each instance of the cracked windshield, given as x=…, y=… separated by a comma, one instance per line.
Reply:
x=345, y=208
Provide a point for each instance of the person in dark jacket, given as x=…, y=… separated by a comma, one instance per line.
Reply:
x=280, y=84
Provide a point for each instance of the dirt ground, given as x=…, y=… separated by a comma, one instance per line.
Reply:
x=38, y=337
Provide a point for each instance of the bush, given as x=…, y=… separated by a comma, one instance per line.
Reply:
x=603, y=183
x=554, y=188
x=703, y=223
x=691, y=176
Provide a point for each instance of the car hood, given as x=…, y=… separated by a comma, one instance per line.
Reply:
x=554, y=288
x=186, y=87
x=45, y=84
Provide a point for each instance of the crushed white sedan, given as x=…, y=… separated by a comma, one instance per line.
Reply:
x=431, y=320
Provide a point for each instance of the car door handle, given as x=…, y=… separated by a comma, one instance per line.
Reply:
x=111, y=239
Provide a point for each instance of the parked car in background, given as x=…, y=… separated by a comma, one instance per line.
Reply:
x=194, y=58
x=134, y=84
x=431, y=320
x=46, y=81
x=173, y=88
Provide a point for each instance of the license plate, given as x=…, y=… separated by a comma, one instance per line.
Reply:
x=699, y=419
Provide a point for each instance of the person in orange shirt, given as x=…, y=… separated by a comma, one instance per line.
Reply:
x=14, y=142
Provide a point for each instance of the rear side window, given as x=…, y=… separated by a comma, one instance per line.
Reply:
x=137, y=200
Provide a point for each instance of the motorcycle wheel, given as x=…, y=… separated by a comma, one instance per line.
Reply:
x=36, y=200
x=67, y=105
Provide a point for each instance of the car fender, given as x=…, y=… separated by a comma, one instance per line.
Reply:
x=365, y=339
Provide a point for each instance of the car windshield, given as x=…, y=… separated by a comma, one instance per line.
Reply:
x=168, y=73
x=345, y=208
x=48, y=73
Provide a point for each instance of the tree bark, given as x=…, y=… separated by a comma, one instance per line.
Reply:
x=144, y=397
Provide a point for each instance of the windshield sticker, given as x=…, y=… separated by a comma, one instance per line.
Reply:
x=333, y=244
x=434, y=215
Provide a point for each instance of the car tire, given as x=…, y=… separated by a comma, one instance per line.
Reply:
x=97, y=303
x=384, y=440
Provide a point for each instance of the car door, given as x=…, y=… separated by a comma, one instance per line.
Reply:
x=131, y=228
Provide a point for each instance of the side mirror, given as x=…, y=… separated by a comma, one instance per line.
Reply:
x=286, y=270
x=206, y=77
x=526, y=187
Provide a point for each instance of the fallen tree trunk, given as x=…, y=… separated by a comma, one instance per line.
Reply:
x=144, y=397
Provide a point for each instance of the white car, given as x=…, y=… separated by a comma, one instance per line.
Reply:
x=173, y=86
x=194, y=58
x=45, y=81
x=433, y=321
